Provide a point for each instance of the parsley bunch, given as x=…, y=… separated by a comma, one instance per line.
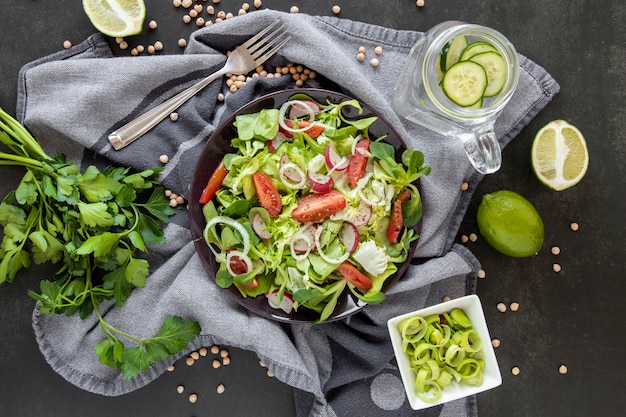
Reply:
x=96, y=226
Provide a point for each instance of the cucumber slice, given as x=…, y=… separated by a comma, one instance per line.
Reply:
x=496, y=70
x=464, y=83
x=477, y=48
x=452, y=52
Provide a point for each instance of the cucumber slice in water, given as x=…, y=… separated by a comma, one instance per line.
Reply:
x=452, y=52
x=464, y=83
x=477, y=48
x=496, y=70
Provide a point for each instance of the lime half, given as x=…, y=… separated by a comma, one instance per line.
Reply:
x=116, y=18
x=510, y=223
x=559, y=155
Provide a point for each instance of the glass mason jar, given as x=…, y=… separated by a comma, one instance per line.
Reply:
x=420, y=97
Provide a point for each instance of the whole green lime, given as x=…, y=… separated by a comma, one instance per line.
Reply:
x=510, y=223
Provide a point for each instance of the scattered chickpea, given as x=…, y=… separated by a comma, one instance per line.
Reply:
x=210, y=10
x=193, y=13
x=208, y=23
x=495, y=343
x=226, y=361
x=515, y=370
x=220, y=97
x=67, y=44
x=241, y=12
x=151, y=49
x=198, y=8
x=336, y=9
x=164, y=159
x=555, y=250
x=181, y=200
x=501, y=307
x=223, y=353
x=574, y=226
x=514, y=306
x=119, y=40
x=134, y=52
x=556, y=267
x=221, y=14
x=186, y=18
x=203, y=351
x=262, y=364
x=158, y=45
x=180, y=389
x=215, y=349
x=229, y=15
x=140, y=48
x=174, y=203
x=170, y=368
x=195, y=355
x=187, y=3
x=220, y=389
x=473, y=237
x=189, y=361
x=173, y=196
x=294, y=9
x=245, y=6
x=258, y=3
x=446, y=298
x=177, y=3
x=200, y=22
x=562, y=369
x=464, y=239
x=193, y=398
x=182, y=42
x=152, y=25
x=481, y=273
x=360, y=56
x=168, y=193
x=123, y=45
x=216, y=363
x=464, y=186
x=216, y=1
x=378, y=50
x=374, y=62
x=419, y=3
x=270, y=373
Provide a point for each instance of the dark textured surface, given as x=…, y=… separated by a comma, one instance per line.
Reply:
x=572, y=318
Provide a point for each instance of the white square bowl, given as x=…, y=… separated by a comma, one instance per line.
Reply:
x=472, y=307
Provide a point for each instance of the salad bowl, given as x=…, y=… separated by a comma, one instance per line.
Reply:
x=211, y=156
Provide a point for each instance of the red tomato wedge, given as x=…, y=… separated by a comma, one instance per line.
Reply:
x=354, y=276
x=395, y=218
x=268, y=195
x=358, y=162
x=314, y=131
x=214, y=183
x=317, y=207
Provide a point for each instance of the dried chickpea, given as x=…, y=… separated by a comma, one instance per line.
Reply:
x=193, y=398
x=189, y=361
x=170, y=368
x=152, y=25
x=221, y=14
x=174, y=203
x=446, y=298
x=158, y=45
x=151, y=49
x=473, y=237
x=336, y=9
x=574, y=226
x=229, y=15
x=140, y=48
x=182, y=42
x=226, y=361
x=464, y=186
x=481, y=273
x=258, y=3
x=555, y=250
x=374, y=62
x=514, y=306
x=181, y=200
x=123, y=45
x=262, y=364
x=515, y=370
x=562, y=369
x=200, y=22
x=180, y=389
x=216, y=1
x=360, y=56
x=67, y=44
x=419, y=3
x=177, y=3
x=216, y=364
x=215, y=349
x=245, y=6
x=223, y=353
x=464, y=239
x=294, y=9
x=164, y=159
x=186, y=18
x=501, y=307
x=198, y=8
x=187, y=3
x=270, y=373
x=556, y=268
x=210, y=10
x=241, y=12
x=134, y=52
x=194, y=355
x=495, y=343
x=220, y=389
x=203, y=351
x=193, y=13
x=378, y=50
x=168, y=193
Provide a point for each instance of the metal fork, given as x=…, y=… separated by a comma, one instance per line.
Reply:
x=242, y=60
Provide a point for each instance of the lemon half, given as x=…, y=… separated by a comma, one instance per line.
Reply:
x=116, y=18
x=559, y=155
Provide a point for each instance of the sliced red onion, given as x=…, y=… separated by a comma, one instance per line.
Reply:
x=292, y=176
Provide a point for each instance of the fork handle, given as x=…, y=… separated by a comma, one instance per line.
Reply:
x=137, y=127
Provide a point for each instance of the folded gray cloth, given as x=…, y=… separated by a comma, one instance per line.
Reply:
x=73, y=99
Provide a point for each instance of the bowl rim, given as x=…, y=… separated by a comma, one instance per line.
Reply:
x=472, y=306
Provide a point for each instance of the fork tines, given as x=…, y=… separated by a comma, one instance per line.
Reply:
x=261, y=47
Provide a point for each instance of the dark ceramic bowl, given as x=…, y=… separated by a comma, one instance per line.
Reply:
x=219, y=144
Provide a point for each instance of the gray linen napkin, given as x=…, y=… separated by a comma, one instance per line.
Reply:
x=72, y=100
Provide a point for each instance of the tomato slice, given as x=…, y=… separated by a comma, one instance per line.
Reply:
x=268, y=195
x=214, y=183
x=313, y=132
x=396, y=219
x=358, y=162
x=354, y=276
x=317, y=207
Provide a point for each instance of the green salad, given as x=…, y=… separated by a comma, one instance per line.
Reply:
x=310, y=204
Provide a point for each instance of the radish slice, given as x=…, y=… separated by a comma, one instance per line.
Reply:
x=349, y=236
x=285, y=304
x=259, y=227
x=320, y=183
x=241, y=256
x=333, y=160
x=303, y=108
x=283, y=115
x=273, y=144
x=364, y=213
x=292, y=176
